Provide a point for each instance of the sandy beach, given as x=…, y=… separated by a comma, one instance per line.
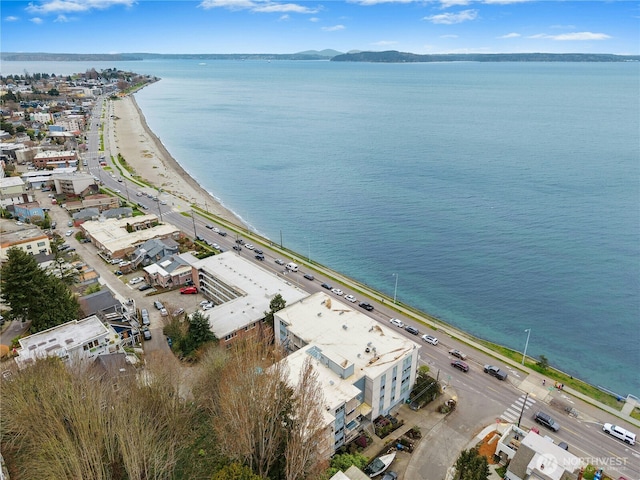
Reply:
x=144, y=151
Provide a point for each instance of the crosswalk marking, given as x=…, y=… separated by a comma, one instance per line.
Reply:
x=512, y=413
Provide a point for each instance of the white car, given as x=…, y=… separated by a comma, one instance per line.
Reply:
x=397, y=322
x=69, y=233
x=248, y=246
x=204, y=302
x=350, y=298
x=163, y=312
x=135, y=280
x=430, y=339
x=337, y=291
x=207, y=306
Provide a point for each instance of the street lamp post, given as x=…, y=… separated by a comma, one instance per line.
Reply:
x=395, y=290
x=524, y=355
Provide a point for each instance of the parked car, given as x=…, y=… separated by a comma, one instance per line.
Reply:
x=308, y=276
x=337, y=291
x=327, y=286
x=397, y=322
x=207, y=306
x=69, y=233
x=189, y=290
x=350, y=298
x=177, y=312
x=390, y=475
x=546, y=420
x=495, y=372
x=144, y=286
x=457, y=354
x=412, y=330
x=158, y=305
x=146, y=334
x=367, y=306
x=279, y=261
x=430, y=339
x=145, y=317
x=136, y=280
x=459, y=364
x=164, y=312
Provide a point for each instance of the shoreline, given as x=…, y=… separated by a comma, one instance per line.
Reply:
x=153, y=163
x=144, y=151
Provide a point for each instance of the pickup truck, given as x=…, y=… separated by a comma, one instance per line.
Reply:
x=495, y=372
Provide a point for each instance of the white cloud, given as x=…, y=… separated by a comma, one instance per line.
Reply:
x=385, y=43
x=334, y=28
x=452, y=18
x=510, y=35
x=62, y=19
x=454, y=3
x=59, y=6
x=581, y=36
x=258, y=6
x=36, y=20
x=11, y=18
x=577, y=36
x=314, y=19
x=449, y=36
x=284, y=18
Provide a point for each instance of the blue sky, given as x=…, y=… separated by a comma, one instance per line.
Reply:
x=289, y=26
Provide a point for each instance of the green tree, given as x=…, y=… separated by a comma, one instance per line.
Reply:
x=344, y=461
x=236, y=471
x=53, y=305
x=199, y=331
x=543, y=363
x=20, y=280
x=470, y=465
x=277, y=303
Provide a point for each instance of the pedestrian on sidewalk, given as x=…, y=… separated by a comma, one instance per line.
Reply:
x=544, y=382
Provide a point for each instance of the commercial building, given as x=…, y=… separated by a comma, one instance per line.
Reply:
x=241, y=292
x=53, y=159
x=116, y=238
x=365, y=368
x=74, y=341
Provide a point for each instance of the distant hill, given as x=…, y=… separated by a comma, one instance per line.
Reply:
x=322, y=53
x=393, y=56
x=98, y=57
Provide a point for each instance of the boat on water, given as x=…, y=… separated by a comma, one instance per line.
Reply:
x=379, y=465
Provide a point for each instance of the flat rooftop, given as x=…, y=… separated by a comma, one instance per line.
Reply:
x=346, y=335
x=256, y=286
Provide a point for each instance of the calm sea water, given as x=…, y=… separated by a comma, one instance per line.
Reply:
x=504, y=196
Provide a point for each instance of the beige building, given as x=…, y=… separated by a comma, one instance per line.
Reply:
x=116, y=238
x=73, y=184
x=27, y=238
x=52, y=159
x=241, y=292
x=13, y=191
x=365, y=368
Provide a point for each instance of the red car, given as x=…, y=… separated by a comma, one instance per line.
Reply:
x=188, y=290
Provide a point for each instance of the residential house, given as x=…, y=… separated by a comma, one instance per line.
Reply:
x=74, y=342
x=153, y=250
x=76, y=184
x=30, y=239
x=27, y=212
x=169, y=272
x=13, y=191
x=537, y=457
x=365, y=368
x=100, y=201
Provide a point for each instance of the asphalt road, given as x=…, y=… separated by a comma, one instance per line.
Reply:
x=482, y=399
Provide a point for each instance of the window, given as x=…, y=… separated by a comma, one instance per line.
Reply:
x=28, y=247
x=41, y=244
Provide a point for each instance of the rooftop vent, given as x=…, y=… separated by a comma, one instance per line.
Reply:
x=345, y=327
x=319, y=314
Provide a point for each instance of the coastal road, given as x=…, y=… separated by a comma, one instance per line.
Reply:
x=483, y=399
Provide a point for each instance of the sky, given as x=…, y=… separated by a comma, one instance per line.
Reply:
x=290, y=26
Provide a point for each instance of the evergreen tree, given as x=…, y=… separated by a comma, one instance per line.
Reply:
x=470, y=465
x=277, y=303
x=20, y=280
x=199, y=331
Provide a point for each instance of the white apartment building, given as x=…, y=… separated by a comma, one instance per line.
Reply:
x=74, y=341
x=364, y=367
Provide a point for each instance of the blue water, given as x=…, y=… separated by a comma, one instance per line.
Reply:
x=504, y=196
